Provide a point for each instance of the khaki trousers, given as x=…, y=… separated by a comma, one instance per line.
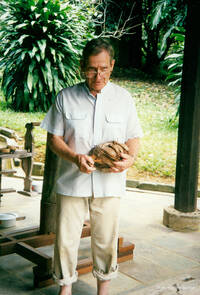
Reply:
x=104, y=221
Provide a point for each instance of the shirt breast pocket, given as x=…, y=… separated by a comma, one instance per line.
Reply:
x=76, y=124
x=114, y=128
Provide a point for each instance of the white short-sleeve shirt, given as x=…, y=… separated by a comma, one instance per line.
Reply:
x=85, y=121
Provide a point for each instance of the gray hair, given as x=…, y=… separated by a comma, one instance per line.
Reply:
x=95, y=46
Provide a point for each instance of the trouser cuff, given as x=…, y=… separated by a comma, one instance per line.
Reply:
x=65, y=281
x=102, y=276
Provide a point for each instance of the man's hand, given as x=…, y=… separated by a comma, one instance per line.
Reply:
x=127, y=159
x=85, y=163
x=126, y=162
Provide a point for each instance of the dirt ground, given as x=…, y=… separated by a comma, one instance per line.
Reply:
x=148, y=177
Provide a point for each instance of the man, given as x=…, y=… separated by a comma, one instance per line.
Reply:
x=83, y=116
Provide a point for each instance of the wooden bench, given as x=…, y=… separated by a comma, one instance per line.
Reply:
x=26, y=242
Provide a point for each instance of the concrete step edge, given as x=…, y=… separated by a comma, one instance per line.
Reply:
x=161, y=187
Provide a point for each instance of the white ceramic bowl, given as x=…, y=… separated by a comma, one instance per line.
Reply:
x=7, y=219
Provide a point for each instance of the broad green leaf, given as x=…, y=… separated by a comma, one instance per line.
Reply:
x=35, y=78
x=30, y=76
x=49, y=74
x=69, y=44
x=157, y=16
x=21, y=26
x=58, y=23
x=7, y=81
x=4, y=16
x=64, y=6
x=35, y=93
x=11, y=22
x=40, y=87
x=34, y=50
x=60, y=56
x=174, y=82
x=171, y=66
x=44, y=74
x=7, y=51
x=56, y=81
x=33, y=8
x=31, y=106
x=26, y=93
x=42, y=45
x=30, y=81
x=165, y=37
x=61, y=67
x=38, y=57
x=53, y=52
x=23, y=55
x=10, y=48
x=173, y=55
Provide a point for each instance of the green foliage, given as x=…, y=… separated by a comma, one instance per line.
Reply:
x=169, y=14
x=174, y=62
x=41, y=42
x=160, y=20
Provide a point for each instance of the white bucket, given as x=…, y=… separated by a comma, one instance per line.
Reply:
x=37, y=186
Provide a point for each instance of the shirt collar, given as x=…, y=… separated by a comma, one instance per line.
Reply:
x=103, y=90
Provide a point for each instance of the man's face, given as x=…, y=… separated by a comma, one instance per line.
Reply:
x=98, y=70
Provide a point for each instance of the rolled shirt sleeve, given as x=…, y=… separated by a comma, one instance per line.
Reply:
x=134, y=129
x=53, y=121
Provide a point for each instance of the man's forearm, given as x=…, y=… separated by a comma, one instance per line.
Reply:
x=133, y=145
x=60, y=148
x=84, y=162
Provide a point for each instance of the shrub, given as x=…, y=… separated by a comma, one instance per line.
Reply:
x=174, y=62
x=41, y=41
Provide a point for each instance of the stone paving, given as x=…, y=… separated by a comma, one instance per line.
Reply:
x=165, y=262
